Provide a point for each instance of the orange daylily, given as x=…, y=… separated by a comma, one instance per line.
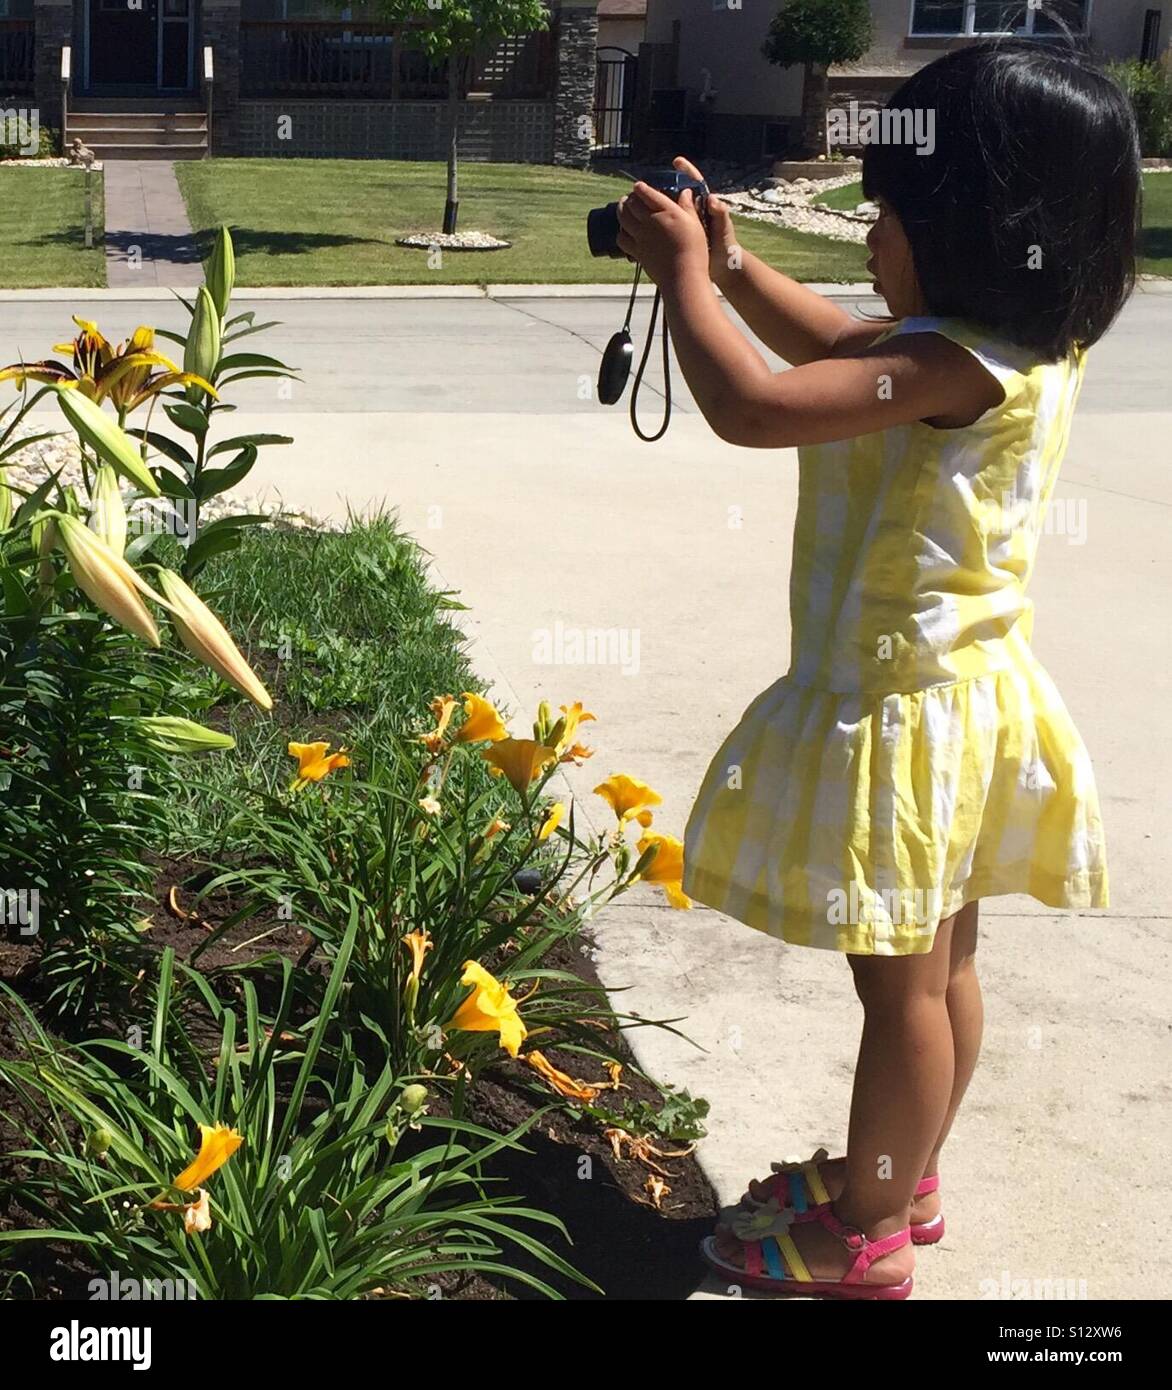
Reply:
x=495, y=828
x=563, y=1084
x=482, y=721
x=313, y=763
x=520, y=759
x=667, y=868
x=629, y=798
x=99, y=369
x=217, y=1145
x=562, y=733
x=556, y=812
x=490, y=1008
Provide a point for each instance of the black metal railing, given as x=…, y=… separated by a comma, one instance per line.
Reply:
x=295, y=58
x=614, y=102
x=17, y=64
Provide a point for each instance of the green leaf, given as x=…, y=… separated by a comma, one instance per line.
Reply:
x=240, y=440
x=252, y=359
x=166, y=446
x=209, y=544
x=213, y=481
x=188, y=418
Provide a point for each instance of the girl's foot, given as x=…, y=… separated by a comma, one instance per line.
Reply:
x=826, y=1249
x=832, y=1172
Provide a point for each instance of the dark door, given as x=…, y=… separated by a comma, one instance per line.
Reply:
x=1150, y=49
x=124, y=44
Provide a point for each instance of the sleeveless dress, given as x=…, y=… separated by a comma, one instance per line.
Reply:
x=916, y=756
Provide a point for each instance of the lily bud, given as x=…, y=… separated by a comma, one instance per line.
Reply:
x=108, y=513
x=219, y=273
x=105, y=578
x=541, y=727
x=413, y=1099
x=97, y=1144
x=171, y=734
x=391, y=1133
x=411, y=996
x=206, y=638
x=104, y=437
x=201, y=354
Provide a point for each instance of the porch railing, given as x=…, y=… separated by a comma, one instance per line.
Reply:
x=17, y=65
x=309, y=58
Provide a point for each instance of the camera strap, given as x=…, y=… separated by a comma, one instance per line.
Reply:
x=649, y=438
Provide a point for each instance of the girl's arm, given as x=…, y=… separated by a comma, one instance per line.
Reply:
x=798, y=324
x=917, y=377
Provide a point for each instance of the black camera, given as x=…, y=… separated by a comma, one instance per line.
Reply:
x=602, y=224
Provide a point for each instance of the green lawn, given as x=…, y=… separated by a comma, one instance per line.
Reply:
x=334, y=222
x=1157, y=238
x=42, y=229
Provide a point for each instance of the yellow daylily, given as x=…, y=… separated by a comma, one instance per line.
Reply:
x=313, y=763
x=552, y=820
x=442, y=707
x=629, y=798
x=490, y=1008
x=667, y=868
x=520, y=759
x=563, y=1084
x=217, y=1145
x=482, y=721
x=100, y=370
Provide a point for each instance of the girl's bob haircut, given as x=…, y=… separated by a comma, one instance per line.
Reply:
x=1024, y=217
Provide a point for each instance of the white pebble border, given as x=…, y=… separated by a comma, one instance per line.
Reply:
x=452, y=241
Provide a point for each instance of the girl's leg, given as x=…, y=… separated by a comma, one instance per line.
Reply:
x=966, y=1016
x=902, y=1092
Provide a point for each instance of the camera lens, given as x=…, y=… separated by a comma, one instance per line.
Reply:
x=602, y=231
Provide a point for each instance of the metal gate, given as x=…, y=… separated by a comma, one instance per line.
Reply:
x=614, y=103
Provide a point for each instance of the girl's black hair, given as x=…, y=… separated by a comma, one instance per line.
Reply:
x=1024, y=217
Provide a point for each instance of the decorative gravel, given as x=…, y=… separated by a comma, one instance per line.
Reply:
x=30, y=468
x=452, y=241
x=56, y=162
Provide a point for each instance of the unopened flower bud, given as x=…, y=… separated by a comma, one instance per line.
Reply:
x=413, y=1099
x=97, y=1144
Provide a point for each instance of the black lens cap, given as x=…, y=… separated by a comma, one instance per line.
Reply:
x=616, y=367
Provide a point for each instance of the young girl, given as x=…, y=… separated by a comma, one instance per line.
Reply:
x=916, y=758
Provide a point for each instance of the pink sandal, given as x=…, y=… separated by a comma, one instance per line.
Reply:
x=774, y=1264
x=800, y=1186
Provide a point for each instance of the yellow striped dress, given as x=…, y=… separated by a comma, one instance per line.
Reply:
x=916, y=756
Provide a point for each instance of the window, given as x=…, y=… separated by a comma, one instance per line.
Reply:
x=956, y=18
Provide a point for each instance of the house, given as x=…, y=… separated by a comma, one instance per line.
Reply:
x=711, y=86
x=177, y=78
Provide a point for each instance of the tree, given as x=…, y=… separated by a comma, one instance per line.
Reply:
x=817, y=33
x=452, y=31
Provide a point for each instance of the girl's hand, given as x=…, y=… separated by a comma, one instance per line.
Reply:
x=723, y=251
x=662, y=235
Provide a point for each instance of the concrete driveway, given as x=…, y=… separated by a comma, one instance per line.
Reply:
x=475, y=419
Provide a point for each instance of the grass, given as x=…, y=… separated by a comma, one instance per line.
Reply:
x=1156, y=246
x=42, y=229
x=334, y=222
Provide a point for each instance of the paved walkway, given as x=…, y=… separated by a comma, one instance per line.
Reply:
x=149, y=240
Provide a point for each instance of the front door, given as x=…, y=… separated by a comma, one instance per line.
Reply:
x=140, y=47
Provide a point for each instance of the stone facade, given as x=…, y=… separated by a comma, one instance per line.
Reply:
x=576, y=29
x=54, y=30
x=220, y=28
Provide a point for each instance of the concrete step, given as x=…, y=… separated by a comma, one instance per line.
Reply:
x=137, y=135
x=151, y=106
x=136, y=120
x=107, y=153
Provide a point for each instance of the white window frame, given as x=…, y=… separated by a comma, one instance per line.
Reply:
x=970, y=31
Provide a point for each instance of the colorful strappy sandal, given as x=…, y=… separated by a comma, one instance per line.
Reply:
x=799, y=1185
x=773, y=1263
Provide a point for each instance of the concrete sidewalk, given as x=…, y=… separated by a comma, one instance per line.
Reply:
x=149, y=241
x=541, y=507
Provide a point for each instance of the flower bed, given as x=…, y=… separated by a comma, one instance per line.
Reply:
x=294, y=979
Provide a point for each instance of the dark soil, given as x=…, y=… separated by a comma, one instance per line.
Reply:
x=618, y=1238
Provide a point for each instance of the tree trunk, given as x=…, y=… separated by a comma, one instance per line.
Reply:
x=452, y=206
x=815, y=104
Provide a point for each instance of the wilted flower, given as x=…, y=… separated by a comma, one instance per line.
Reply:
x=197, y=1215
x=490, y=1008
x=562, y=734
x=563, y=1084
x=442, y=707
x=418, y=943
x=430, y=804
x=313, y=763
x=629, y=798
